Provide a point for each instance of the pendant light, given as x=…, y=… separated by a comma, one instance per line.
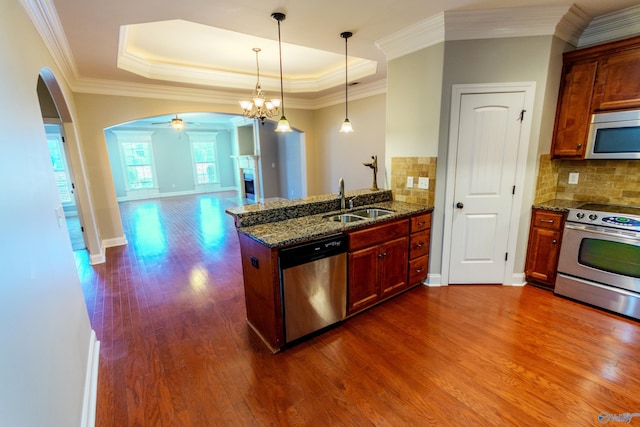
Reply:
x=346, y=125
x=261, y=107
x=283, y=123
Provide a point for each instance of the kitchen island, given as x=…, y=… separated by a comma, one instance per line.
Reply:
x=374, y=274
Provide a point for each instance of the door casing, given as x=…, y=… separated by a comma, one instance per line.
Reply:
x=457, y=92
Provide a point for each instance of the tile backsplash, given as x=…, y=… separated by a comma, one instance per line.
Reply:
x=416, y=167
x=602, y=181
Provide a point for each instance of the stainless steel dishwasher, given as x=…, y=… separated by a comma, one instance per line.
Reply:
x=313, y=279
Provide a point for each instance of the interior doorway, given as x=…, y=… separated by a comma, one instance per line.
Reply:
x=488, y=143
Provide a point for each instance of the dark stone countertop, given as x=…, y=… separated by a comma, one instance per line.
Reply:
x=275, y=230
x=557, y=205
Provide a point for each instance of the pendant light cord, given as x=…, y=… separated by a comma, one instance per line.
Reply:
x=346, y=80
x=280, y=55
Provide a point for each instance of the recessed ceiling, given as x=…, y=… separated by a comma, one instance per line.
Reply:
x=196, y=53
x=120, y=46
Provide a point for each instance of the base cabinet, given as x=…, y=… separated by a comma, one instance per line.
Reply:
x=419, y=242
x=545, y=236
x=377, y=264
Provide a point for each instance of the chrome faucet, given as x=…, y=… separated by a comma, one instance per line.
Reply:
x=341, y=195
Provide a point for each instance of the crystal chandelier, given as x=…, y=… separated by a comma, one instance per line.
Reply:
x=261, y=107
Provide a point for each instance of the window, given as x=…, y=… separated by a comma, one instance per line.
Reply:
x=205, y=162
x=138, y=165
x=203, y=147
x=138, y=168
x=59, y=167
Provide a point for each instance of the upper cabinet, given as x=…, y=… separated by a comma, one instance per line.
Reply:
x=598, y=78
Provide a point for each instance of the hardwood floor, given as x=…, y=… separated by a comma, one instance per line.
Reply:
x=169, y=311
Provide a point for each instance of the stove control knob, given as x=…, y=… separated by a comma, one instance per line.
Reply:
x=580, y=215
x=593, y=217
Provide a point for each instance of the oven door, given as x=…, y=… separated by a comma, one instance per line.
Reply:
x=603, y=255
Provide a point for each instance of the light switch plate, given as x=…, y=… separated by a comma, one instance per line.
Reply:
x=409, y=182
x=573, y=177
x=423, y=183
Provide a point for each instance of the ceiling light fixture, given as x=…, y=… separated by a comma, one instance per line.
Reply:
x=346, y=125
x=263, y=108
x=177, y=123
x=283, y=123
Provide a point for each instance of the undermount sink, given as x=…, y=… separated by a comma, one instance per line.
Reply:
x=359, y=215
x=344, y=218
x=371, y=212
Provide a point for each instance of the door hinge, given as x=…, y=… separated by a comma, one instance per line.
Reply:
x=522, y=115
x=73, y=186
x=506, y=256
x=82, y=229
x=513, y=190
x=63, y=139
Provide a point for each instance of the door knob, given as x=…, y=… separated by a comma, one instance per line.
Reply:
x=459, y=205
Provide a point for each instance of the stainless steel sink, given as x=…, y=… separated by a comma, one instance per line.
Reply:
x=371, y=212
x=344, y=218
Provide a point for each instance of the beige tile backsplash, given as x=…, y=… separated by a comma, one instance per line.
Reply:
x=403, y=167
x=602, y=181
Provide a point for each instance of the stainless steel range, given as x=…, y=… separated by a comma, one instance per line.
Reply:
x=600, y=258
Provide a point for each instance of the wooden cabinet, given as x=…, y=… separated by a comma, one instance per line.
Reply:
x=574, y=109
x=545, y=235
x=598, y=78
x=419, y=239
x=377, y=264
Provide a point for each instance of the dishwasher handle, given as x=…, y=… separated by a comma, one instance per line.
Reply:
x=312, y=251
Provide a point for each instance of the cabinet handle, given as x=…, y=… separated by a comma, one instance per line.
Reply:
x=420, y=244
x=382, y=255
x=551, y=221
x=419, y=270
x=421, y=223
x=554, y=241
x=579, y=146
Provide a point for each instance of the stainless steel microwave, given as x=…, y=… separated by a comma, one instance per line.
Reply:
x=614, y=135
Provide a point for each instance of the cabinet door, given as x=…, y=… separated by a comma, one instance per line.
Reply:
x=619, y=81
x=363, y=279
x=542, y=255
x=574, y=110
x=393, y=257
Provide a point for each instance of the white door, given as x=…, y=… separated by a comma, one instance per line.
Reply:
x=488, y=140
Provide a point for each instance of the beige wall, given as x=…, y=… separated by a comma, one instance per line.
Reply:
x=342, y=154
x=413, y=100
x=44, y=325
x=414, y=91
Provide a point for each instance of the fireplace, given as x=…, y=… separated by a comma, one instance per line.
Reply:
x=249, y=185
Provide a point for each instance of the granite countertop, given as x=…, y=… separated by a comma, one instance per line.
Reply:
x=558, y=205
x=274, y=229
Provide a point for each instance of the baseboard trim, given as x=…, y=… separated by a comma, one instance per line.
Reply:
x=91, y=383
x=101, y=257
x=434, y=281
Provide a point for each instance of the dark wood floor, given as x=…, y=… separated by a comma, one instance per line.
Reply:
x=169, y=311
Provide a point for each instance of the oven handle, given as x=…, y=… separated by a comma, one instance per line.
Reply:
x=602, y=230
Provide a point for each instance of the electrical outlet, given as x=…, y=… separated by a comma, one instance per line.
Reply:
x=423, y=183
x=409, y=182
x=573, y=177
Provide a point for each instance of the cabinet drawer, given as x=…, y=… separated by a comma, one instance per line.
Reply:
x=377, y=234
x=419, y=244
x=421, y=222
x=418, y=269
x=547, y=219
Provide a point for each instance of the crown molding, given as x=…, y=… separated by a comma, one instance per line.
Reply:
x=44, y=17
x=515, y=22
x=613, y=26
x=565, y=22
x=413, y=38
x=117, y=88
